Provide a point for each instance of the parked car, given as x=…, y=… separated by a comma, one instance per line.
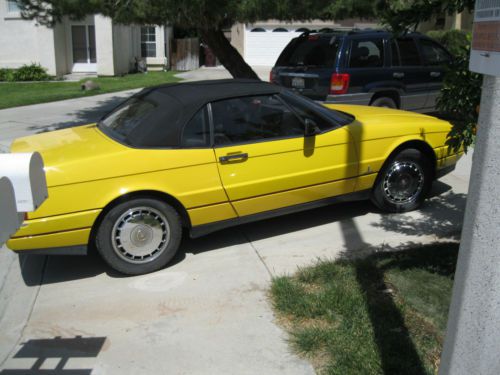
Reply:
x=204, y=156
x=367, y=67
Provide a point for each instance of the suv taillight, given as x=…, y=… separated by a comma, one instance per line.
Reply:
x=339, y=83
x=272, y=76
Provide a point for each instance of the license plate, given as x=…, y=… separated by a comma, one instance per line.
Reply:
x=298, y=82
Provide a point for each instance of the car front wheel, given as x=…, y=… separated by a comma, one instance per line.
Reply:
x=139, y=236
x=403, y=182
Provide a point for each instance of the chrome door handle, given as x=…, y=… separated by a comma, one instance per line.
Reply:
x=435, y=74
x=228, y=158
x=398, y=75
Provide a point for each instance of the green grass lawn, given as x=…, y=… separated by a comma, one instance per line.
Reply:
x=14, y=94
x=385, y=314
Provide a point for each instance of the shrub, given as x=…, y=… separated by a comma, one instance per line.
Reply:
x=6, y=74
x=33, y=72
x=461, y=92
x=460, y=98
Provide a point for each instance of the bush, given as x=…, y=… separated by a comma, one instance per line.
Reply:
x=6, y=74
x=460, y=98
x=461, y=92
x=33, y=72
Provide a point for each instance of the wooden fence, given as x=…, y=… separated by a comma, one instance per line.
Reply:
x=185, y=54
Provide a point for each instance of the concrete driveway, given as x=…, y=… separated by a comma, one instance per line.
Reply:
x=207, y=313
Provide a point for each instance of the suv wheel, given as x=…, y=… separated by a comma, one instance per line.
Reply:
x=384, y=102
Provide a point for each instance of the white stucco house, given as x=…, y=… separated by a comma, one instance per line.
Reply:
x=93, y=45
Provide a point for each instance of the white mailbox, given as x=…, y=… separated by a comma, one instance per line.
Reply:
x=25, y=171
x=10, y=219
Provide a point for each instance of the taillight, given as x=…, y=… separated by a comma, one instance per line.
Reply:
x=339, y=83
x=272, y=76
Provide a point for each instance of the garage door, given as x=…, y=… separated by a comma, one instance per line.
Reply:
x=264, y=45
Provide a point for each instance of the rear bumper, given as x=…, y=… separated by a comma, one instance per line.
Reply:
x=362, y=98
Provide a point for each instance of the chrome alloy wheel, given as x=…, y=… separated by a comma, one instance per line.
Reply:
x=403, y=182
x=140, y=235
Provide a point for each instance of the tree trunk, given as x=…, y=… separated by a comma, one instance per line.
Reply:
x=227, y=54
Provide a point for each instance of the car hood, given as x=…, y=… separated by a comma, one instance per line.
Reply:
x=84, y=153
x=376, y=122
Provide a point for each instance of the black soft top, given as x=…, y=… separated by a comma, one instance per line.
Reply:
x=201, y=92
x=173, y=105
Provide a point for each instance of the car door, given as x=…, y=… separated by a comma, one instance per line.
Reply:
x=266, y=163
x=435, y=59
x=407, y=69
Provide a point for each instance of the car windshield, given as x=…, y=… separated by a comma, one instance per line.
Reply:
x=149, y=119
x=311, y=51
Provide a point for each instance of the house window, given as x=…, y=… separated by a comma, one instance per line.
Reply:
x=12, y=6
x=148, y=41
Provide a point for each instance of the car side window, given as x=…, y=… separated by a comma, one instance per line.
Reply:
x=366, y=53
x=253, y=119
x=408, y=52
x=305, y=112
x=433, y=53
x=196, y=133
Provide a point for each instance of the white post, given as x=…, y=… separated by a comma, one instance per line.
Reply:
x=472, y=344
x=104, y=45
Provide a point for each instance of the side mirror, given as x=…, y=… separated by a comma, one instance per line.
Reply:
x=310, y=128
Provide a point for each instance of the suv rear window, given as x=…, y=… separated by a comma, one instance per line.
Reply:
x=311, y=51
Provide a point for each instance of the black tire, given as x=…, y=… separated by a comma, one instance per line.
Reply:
x=384, y=102
x=139, y=236
x=404, y=182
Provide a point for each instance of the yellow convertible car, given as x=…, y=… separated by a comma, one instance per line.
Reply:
x=208, y=155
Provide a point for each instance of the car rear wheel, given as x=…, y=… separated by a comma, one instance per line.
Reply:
x=384, y=102
x=403, y=182
x=139, y=236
